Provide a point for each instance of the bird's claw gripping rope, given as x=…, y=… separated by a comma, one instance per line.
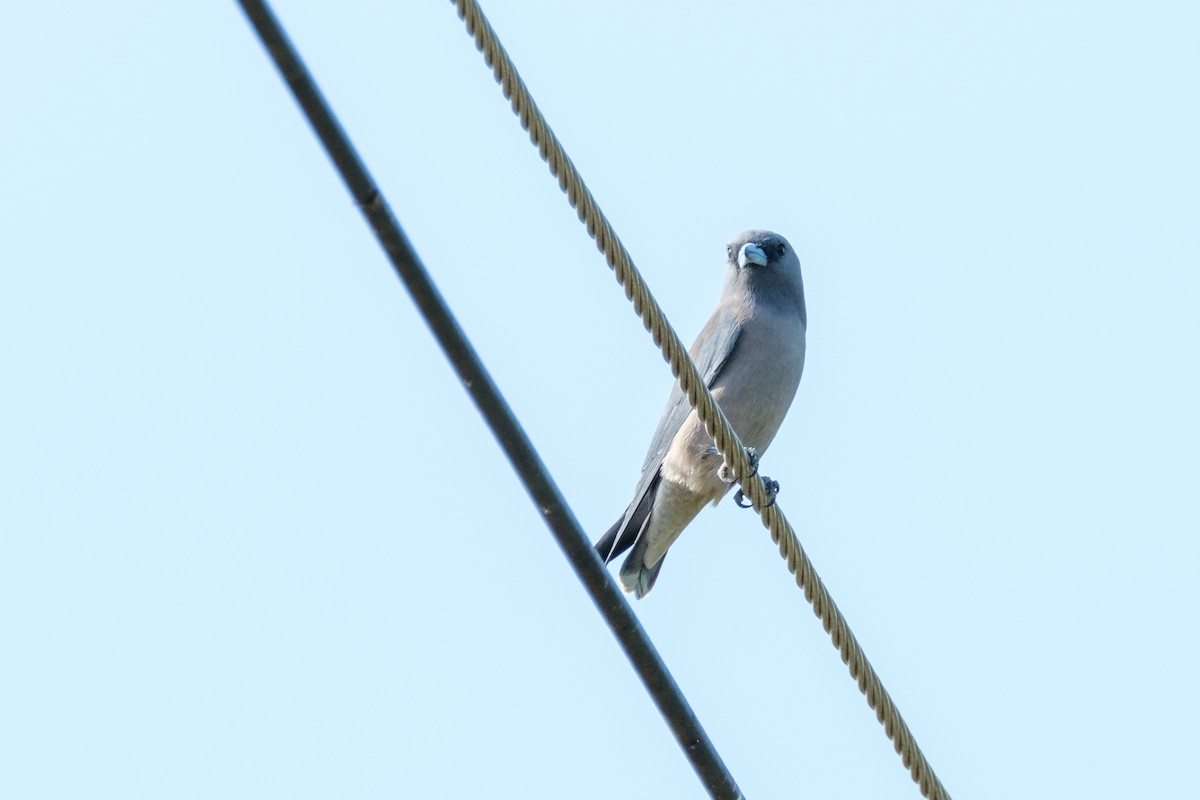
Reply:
x=771, y=487
x=725, y=471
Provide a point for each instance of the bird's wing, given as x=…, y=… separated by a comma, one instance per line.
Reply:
x=711, y=352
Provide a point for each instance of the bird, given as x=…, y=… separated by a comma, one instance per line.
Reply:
x=750, y=354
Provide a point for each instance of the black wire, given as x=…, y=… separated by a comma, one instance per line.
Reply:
x=500, y=418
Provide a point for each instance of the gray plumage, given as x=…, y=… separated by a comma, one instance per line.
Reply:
x=750, y=354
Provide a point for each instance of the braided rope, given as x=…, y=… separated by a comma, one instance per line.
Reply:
x=709, y=412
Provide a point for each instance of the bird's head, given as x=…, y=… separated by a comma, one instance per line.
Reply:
x=765, y=262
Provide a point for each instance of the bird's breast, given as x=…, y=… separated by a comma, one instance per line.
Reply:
x=755, y=388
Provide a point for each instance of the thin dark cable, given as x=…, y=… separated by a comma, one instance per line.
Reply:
x=491, y=404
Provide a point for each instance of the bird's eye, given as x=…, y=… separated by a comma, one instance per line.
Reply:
x=779, y=249
x=729, y=251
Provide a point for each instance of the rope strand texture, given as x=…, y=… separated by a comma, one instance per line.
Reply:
x=718, y=427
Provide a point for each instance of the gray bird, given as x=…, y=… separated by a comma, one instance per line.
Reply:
x=750, y=354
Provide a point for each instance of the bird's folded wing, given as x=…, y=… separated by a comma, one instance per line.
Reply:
x=711, y=352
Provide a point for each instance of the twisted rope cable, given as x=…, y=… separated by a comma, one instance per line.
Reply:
x=715, y=422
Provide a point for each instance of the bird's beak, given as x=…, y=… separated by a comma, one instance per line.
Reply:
x=751, y=254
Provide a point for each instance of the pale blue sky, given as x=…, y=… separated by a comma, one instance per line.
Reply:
x=255, y=541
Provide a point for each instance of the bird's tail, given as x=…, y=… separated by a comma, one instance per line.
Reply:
x=636, y=577
x=625, y=533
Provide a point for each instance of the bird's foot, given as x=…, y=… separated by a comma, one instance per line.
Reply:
x=772, y=488
x=725, y=472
